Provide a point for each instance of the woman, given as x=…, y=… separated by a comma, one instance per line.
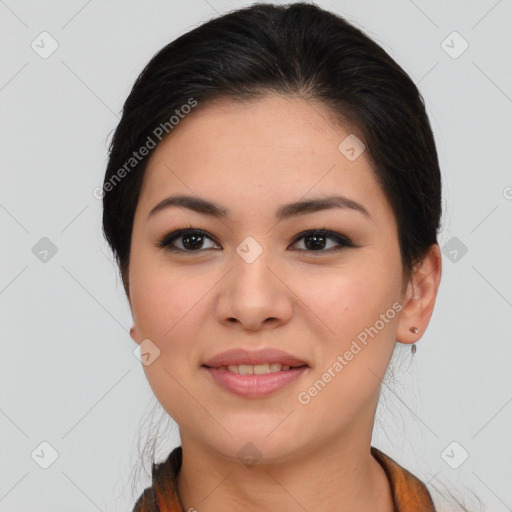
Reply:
x=273, y=198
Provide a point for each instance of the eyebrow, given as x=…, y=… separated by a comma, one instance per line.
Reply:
x=286, y=211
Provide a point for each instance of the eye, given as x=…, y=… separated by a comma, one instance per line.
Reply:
x=192, y=240
x=316, y=240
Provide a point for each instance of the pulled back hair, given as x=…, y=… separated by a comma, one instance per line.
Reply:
x=298, y=50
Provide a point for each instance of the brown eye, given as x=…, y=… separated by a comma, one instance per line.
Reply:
x=191, y=240
x=317, y=241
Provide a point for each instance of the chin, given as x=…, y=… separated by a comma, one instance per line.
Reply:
x=255, y=447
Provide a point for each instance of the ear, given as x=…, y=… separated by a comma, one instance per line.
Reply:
x=420, y=297
x=133, y=334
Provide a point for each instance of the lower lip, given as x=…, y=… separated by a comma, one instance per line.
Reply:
x=254, y=386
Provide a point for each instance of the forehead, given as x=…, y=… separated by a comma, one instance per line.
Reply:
x=263, y=151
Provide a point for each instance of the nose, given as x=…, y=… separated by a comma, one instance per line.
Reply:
x=255, y=295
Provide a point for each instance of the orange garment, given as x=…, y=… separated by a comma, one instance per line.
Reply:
x=409, y=493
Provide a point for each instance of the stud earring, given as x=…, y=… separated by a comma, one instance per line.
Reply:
x=414, y=330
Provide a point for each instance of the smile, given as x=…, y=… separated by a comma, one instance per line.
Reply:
x=254, y=381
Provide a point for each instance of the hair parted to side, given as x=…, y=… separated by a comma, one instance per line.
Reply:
x=298, y=50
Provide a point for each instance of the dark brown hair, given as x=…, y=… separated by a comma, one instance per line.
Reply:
x=296, y=50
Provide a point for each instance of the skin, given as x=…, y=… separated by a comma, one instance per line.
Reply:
x=312, y=304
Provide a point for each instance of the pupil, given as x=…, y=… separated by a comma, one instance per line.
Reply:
x=315, y=245
x=194, y=241
x=193, y=236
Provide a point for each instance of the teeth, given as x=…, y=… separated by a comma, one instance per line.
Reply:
x=255, y=369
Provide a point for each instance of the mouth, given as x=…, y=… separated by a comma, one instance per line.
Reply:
x=254, y=381
x=256, y=361
x=256, y=369
x=254, y=373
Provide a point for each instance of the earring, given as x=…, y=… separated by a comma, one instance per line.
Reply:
x=414, y=330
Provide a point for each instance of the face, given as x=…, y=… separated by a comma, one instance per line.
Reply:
x=252, y=280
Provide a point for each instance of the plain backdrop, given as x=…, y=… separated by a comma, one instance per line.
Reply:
x=74, y=397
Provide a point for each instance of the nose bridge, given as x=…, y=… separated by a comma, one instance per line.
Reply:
x=252, y=267
x=252, y=292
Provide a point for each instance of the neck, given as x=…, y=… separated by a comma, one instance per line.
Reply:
x=341, y=475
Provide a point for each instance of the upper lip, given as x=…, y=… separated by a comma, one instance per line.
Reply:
x=242, y=356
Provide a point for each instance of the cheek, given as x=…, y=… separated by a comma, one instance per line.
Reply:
x=355, y=353
x=165, y=307
x=348, y=300
x=163, y=300
x=361, y=314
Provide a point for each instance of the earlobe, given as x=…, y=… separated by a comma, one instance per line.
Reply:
x=133, y=334
x=420, y=298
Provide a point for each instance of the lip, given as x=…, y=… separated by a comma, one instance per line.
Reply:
x=254, y=386
x=264, y=355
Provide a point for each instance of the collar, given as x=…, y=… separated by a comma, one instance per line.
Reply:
x=409, y=493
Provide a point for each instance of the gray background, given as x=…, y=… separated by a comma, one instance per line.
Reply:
x=68, y=375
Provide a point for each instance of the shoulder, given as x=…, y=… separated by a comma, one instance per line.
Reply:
x=410, y=494
x=163, y=488
x=147, y=501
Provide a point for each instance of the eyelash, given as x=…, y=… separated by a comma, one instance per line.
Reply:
x=166, y=241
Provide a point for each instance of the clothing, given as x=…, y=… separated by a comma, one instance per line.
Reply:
x=409, y=493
